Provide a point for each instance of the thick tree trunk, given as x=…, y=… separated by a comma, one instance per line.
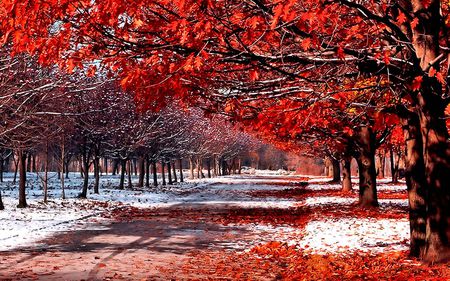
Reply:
x=416, y=184
x=336, y=171
x=22, y=179
x=346, y=175
x=169, y=172
x=163, y=173
x=436, y=153
x=123, y=163
x=366, y=165
x=155, y=175
x=141, y=171
x=181, y=170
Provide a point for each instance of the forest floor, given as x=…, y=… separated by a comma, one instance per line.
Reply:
x=249, y=227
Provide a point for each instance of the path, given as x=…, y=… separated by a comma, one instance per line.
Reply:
x=156, y=243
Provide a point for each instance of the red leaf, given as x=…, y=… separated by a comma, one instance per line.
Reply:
x=432, y=72
x=417, y=83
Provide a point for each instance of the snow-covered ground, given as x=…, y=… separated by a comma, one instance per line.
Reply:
x=23, y=227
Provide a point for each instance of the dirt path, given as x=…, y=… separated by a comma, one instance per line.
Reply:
x=148, y=244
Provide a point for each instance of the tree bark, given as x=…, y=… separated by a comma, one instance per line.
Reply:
x=130, y=172
x=174, y=170
x=22, y=179
x=123, y=163
x=191, y=168
x=141, y=171
x=96, y=174
x=181, y=169
x=62, y=164
x=46, y=174
x=163, y=173
x=169, y=172
x=346, y=175
x=208, y=164
x=155, y=175
x=336, y=170
x=416, y=184
x=1, y=167
x=366, y=165
x=85, y=163
x=147, y=172
x=436, y=152
x=16, y=168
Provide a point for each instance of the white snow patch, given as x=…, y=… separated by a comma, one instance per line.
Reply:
x=355, y=234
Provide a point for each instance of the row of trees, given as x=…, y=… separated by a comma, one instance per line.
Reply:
x=65, y=118
x=300, y=71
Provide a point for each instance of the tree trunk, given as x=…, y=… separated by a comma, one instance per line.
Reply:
x=29, y=162
x=198, y=168
x=46, y=174
x=130, y=171
x=336, y=171
x=16, y=168
x=134, y=165
x=155, y=175
x=2, y=207
x=436, y=152
x=169, y=172
x=366, y=165
x=22, y=179
x=123, y=164
x=214, y=166
x=96, y=174
x=191, y=168
x=416, y=184
x=174, y=172
x=1, y=168
x=208, y=164
x=141, y=171
x=85, y=162
x=62, y=164
x=163, y=173
x=181, y=170
x=394, y=167
x=346, y=175
x=381, y=163
x=147, y=172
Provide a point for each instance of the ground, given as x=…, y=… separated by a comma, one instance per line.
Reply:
x=264, y=226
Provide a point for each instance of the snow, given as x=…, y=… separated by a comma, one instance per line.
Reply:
x=355, y=234
x=24, y=227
